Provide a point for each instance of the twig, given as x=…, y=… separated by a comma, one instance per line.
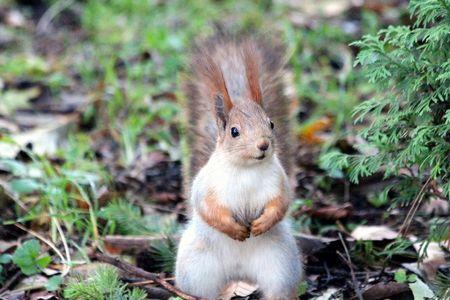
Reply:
x=51, y=13
x=10, y=282
x=124, y=242
x=414, y=207
x=146, y=282
x=130, y=269
x=68, y=260
x=348, y=261
x=157, y=292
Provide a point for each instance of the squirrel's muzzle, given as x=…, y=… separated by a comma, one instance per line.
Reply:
x=263, y=144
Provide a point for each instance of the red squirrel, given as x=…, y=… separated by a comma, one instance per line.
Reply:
x=237, y=174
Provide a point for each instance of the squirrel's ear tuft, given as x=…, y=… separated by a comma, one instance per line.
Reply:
x=250, y=55
x=221, y=111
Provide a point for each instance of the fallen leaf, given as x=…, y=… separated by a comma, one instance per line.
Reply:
x=42, y=295
x=433, y=257
x=32, y=282
x=385, y=290
x=44, y=140
x=238, y=289
x=373, y=233
x=6, y=245
x=436, y=207
x=330, y=212
x=13, y=295
x=328, y=294
x=310, y=132
x=421, y=291
x=322, y=8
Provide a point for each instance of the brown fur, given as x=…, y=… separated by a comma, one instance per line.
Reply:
x=273, y=213
x=221, y=218
x=239, y=70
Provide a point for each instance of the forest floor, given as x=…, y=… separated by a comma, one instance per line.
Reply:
x=91, y=149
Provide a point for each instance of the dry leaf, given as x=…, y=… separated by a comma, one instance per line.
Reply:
x=310, y=132
x=238, y=289
x=330, y=212
x=373, y=233
x=433, y=255
x=45, y=139
x=385, y=290
x=326, y=8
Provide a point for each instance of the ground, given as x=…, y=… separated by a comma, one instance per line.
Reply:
x=91, y=150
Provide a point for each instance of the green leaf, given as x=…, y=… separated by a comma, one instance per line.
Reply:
x=44, y=261
x=25, y=186
x=400, y=276
x=12, y=166
x=53, y=283
x=27, y=258
x=421, y=291
x=302, y=288
x=5, y=258
x=15, y=99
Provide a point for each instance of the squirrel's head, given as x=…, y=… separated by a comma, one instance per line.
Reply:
x=245, y=132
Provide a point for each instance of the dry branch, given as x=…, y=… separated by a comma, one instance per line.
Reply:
x=133, y=270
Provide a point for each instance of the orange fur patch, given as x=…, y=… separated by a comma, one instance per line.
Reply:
x=273, y=213
x=221, y=218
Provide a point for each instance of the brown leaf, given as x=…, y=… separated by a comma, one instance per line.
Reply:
x=13, y=295
x=111, y=249
x=385, y=290
x=238, y=289
x=165, y=197
x=42, y=295
x=330, y=212
x=310, y=132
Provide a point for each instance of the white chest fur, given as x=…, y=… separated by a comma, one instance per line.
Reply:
x=245, y=190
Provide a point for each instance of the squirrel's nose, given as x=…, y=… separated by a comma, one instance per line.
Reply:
x=263, y=144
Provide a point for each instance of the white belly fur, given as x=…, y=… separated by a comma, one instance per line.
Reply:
x=206, y=255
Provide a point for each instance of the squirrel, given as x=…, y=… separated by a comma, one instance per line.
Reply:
x=236, y=177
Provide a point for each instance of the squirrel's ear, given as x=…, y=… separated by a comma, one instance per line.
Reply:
x=252, y=72
x=221, y=111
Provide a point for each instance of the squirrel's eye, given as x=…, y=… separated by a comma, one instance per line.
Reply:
x=272, y=125
x=234, y=132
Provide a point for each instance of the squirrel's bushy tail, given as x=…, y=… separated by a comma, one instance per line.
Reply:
x=233, y=67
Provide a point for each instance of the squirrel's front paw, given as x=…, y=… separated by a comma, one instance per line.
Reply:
x=261, y=225
x=238, y=232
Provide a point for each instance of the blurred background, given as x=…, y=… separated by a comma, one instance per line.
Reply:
x=91, y=134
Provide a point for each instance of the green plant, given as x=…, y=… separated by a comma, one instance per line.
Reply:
x=322, y=74
x=103, y=284
x=442, y=285
x=164, y=253
x=401, y=277
x=409, y=122
x=54, y=283
x=125, y=218
x=61, y=190
x=29, y=258
x=368, y=253
x=4, y=259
